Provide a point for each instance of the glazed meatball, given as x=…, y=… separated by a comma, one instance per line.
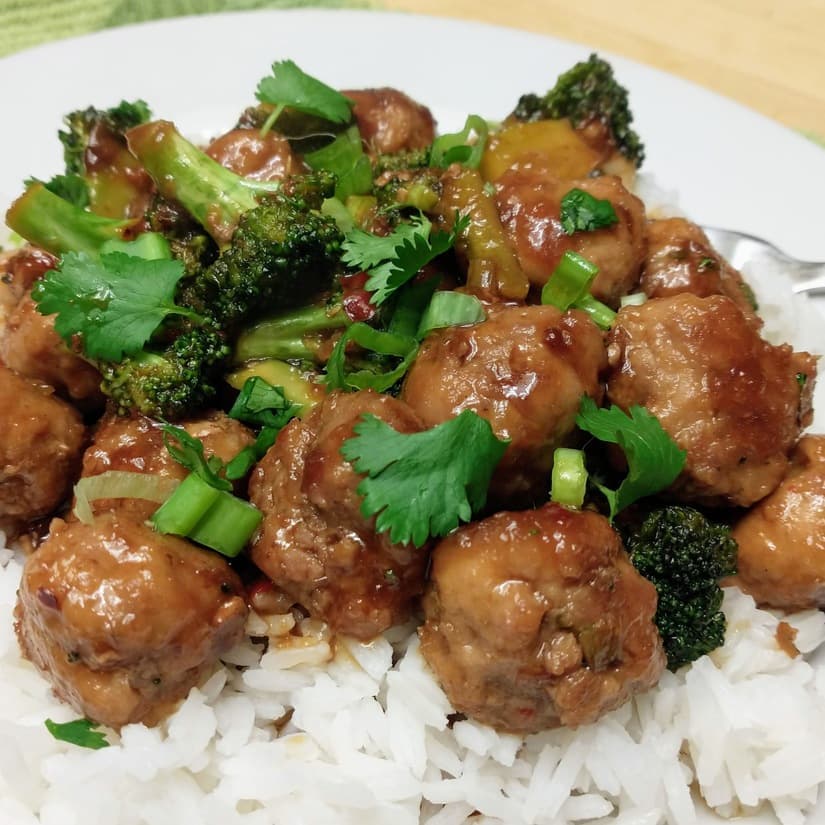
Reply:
x=681, y=259
x=529, y=204
x=728, y=398
x=251, y=155
x=314, y=543
x=124, y=621
x=538, y=619
x=390, y=121
x=136, y=445
x=40, y=450
x=782, y=539
x=525, y=370
x=31, y=347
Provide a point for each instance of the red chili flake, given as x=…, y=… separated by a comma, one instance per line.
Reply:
x=355, y=298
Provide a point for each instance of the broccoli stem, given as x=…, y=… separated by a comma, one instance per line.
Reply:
x=288, y=336
x=58, y=226
x=211, y=193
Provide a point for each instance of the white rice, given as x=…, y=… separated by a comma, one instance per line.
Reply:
x=314, y=732
x=369, y=741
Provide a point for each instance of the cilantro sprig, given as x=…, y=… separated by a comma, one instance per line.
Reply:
x=423, y=484
x=393, y=260
x=80, y=732
x=114, y=303
x=582, y=212
x=653, y=459
x=290, y=86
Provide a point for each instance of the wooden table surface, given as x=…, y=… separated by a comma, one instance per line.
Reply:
x=767, y=54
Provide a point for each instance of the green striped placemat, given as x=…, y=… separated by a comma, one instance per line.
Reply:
x=25, y=23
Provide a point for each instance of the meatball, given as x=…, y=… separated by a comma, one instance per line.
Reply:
x=247, y=153
x=124, y=621
x=31, y=347
x=681, y=259
x=529, y=204
x=390, y=121
x=538, y=619
x=40, y=450
x=525, y=370
x=314, y=543
x=728, y=398
x=782, y=539
x=136, y=445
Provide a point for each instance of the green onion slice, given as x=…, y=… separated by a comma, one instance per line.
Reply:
x=454, y=148
x=208, y=516
x=569, y=479
x=450, y=309
x=382, y=343
x=570, y=281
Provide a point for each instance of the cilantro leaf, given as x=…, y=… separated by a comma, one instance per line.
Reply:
x=289, y=86
x=392, y=261
x=187, y=450
x=653, y=458
x=581, y=212
x=423, y=484
x=115, y=303
x=80, y=732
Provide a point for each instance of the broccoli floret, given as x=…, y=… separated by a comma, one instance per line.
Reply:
x=81, y=124
x=281, y=254
x=188, y=242
x=414, y=188
x=168, y=383
x=400, y=161
x=684, y=555
x=587, y=92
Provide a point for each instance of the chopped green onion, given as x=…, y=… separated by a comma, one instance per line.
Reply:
x=570, y=281
x=120, y=484
x=450, y=309
x=227, y=526
x=635, y=299
x=345, y=158
x=151, y=246
x=569, y=286
x=211, y=517
x=454, y=148
x=411, y=302
x=382, y=343
x=603, y=316
x=569, y=479
x=185, y=507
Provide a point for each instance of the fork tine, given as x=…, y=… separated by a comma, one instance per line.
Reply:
x=739, y=248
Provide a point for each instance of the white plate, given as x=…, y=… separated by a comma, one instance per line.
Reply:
x=730, y=166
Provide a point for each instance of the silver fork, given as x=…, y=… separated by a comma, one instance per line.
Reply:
x=739, y=248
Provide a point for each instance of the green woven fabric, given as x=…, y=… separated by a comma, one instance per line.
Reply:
x=25, y=23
